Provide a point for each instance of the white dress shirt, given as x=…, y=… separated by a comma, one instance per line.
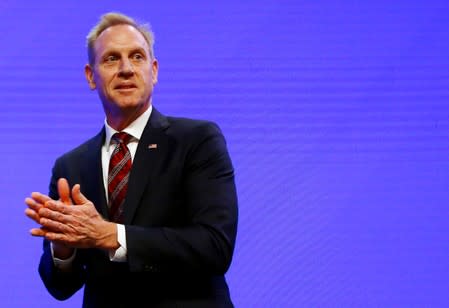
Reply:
x=135, y=129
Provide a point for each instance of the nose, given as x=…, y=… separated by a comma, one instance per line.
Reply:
x=126, y=68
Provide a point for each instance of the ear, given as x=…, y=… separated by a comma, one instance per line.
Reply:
x=89, y=72
x=155, y=70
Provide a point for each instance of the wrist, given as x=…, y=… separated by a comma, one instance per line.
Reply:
x=109, y=240
x=62, y=251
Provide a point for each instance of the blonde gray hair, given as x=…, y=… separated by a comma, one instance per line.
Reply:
x=113, y=19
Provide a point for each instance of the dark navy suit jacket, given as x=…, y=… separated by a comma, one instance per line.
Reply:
x=180, y=217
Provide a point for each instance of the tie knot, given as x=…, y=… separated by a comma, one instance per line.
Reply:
x=122, y=137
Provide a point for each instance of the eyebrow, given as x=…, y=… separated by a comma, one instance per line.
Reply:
x=118, y=52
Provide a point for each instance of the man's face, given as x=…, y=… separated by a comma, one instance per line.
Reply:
x=123, y=73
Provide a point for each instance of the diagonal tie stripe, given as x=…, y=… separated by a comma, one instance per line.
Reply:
x=118, y=175
x=117, y=166
x=121, y=187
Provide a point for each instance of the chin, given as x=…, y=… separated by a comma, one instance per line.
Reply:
x=131, y=105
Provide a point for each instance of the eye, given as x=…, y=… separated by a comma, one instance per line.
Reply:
x=110, y=58
x=138, y=56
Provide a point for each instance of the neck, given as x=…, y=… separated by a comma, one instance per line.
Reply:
x=123, y=118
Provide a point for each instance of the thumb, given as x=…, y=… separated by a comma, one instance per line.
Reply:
x=77, y=196
x=64, y=191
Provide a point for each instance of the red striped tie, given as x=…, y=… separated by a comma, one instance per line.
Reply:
x=119, y=169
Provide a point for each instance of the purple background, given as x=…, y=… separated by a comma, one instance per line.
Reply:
x=336, y=116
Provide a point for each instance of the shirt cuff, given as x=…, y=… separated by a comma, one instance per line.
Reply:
x=62, y=264
x=120, y=254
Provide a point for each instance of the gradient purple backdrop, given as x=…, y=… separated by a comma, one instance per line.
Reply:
x=336, y=116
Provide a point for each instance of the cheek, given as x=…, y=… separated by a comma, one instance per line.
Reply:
x=149, y=75
x=105, y=78
x=146, y=79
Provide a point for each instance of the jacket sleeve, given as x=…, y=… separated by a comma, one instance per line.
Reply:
x=60, y=284
x=206, y=243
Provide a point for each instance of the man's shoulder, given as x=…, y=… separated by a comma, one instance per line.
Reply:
x=92, y=144
x=186, y=127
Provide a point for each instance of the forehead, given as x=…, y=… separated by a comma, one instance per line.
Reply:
x=120, y=37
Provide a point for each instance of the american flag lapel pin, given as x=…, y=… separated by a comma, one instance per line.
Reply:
x=152, y=146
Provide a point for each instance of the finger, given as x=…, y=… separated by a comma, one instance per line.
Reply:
x=55, y=210
x=32, y=215
x=56, y=237
x=38, y=232
x=53, y=225
x=77, y=196
x=32, y=204
x=64, y=191
x=40, y=198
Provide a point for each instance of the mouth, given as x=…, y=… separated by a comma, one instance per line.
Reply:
x=125, y=87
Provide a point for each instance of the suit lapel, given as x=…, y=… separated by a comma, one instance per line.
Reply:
x=92, y=185
x=151, y=151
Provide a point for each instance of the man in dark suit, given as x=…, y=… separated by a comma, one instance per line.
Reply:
x=154, y=227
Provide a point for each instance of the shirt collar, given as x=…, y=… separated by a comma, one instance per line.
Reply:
x=135, y=129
